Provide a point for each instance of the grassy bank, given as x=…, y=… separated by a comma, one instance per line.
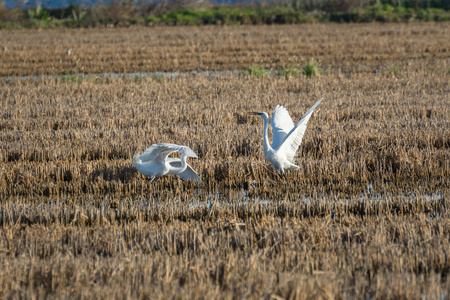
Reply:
x=286, y=15
x=121, y=15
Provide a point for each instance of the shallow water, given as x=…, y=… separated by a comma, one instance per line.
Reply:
x=68, y=209
x=135, y=75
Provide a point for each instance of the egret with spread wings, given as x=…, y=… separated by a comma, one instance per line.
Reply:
x=286, y=137
x=154, y=162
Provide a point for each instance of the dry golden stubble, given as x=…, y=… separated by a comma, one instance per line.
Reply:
x=63, y=136
x=366, y=214
x=81, y=136
x=344, y=48
x=67, y=244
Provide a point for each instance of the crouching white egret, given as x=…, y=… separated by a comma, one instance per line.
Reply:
x=286, y=137
x=154, y=162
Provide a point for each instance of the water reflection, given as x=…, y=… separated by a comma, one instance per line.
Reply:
x=203, y=203
x=135, y=75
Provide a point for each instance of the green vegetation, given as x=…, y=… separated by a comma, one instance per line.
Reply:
x=395, y=71
x=257, y=71
x=78, y=78
x=39, y=14
x=230, y=15
x=388, y=13
x=311, y=69
x=291, y=12
x=158, y=78
x=291, y=71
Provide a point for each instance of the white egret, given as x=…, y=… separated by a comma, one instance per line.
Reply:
x=154, y=162
x=286, y=137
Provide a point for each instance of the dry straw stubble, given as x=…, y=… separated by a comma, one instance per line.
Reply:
x=69, y=138
x=365, y=216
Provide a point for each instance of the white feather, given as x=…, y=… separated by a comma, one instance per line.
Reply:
x=286, y=137
x=154, y=162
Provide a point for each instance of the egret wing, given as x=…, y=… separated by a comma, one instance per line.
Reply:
x=281, y=125
x=294, y=138
x=187, y=151
x=188, y=174
x=159, y=152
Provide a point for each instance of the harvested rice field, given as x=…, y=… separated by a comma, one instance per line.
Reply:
x=366, y=216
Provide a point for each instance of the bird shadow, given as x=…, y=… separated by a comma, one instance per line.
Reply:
x=124, y=174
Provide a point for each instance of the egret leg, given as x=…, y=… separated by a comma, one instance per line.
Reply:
x=153, y=185
x=282, y=175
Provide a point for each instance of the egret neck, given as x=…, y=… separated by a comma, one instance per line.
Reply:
x=267, y=146
x=180, y=169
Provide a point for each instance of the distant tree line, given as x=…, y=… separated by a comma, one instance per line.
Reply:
x=198, y=12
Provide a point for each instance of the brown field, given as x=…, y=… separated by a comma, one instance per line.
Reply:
x=346, y=48
x=366, y=216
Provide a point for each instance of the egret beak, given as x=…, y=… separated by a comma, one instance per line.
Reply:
x=254, y=113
